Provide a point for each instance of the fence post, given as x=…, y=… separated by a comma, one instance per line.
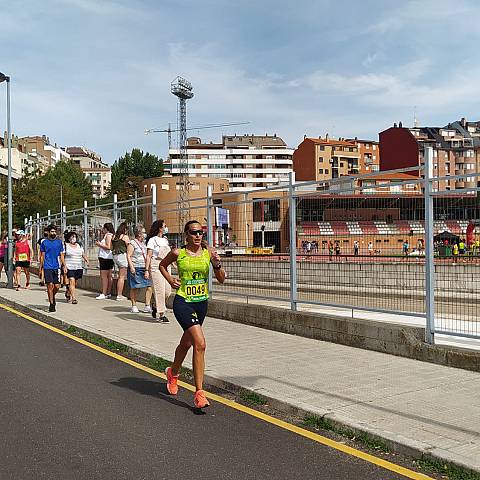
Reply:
x=136, y=206
x=153, y=190
x=115, y=212
x=85, y=227
x=30, y=225
x=209, y=232
x=292, y=208
x=429, y=250
x=49, y=215
x=25, y=223
x=64, y=218
x=37, y=224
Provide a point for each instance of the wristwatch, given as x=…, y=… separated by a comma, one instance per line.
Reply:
x=217, y=267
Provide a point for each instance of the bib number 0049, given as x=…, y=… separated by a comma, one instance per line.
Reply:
x=194, y=290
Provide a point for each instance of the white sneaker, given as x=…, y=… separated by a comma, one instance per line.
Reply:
x=147, y=309
x=135, y=309
x=101, y=297
x=120, y=298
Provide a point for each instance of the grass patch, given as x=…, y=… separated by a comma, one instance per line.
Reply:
x=452, y=472
x=316, y=422
x=98, y=340
x=253, y=398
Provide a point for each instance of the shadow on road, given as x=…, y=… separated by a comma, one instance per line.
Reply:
x=154, y=389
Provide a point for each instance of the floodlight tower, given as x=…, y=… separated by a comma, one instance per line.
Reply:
x=182, y=89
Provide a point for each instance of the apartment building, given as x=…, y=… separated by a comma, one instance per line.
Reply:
x=40, y=147
x=369, y=151
x=98, y=172
x=323, y=159
x=456, y=151
x=248, y=162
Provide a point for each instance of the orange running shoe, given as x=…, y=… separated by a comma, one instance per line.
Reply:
x=172, y=386
x=200, y=399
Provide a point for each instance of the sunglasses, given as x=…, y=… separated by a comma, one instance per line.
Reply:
x=196, y=233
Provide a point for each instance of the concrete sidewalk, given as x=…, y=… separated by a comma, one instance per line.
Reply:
x=419, y=406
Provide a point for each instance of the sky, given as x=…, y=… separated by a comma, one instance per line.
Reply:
x=97, y=72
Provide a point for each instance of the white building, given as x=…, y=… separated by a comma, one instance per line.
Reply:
x=248, y=162
x=99, y=173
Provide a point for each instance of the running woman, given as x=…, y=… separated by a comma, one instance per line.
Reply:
x=23, y=256
x=191, y=303
x=52, y=255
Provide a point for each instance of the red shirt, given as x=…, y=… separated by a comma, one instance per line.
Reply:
x=22, y=251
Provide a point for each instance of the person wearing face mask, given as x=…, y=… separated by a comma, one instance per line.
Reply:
x=52, y=256
x=74, y=254
x=157, y=249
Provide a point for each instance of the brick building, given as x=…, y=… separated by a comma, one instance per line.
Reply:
x=456, y=151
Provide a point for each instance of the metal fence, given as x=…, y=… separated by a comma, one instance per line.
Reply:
x=376, y=247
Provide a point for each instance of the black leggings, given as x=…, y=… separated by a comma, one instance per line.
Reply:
x=189, y=314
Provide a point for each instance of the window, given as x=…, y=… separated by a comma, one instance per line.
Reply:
x=326, y=171
x=320, y=159
x=322, y=147
x=320, y=170
x=165, y=186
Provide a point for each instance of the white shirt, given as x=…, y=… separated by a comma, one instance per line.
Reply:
x=73, y=257
x=159, y=246
x=102, y=253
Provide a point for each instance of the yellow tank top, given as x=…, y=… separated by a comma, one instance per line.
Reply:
x=193, y=273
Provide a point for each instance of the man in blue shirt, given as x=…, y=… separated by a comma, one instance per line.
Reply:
x=52, y=257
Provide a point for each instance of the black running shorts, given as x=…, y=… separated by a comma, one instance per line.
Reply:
x=189, y=314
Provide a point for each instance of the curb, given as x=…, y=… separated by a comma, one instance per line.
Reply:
x=396, y=443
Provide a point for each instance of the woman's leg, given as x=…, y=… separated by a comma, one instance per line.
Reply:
x=133, y=296
x=181, y=351
x=167, y=290
x=148, y=296
x=199, y=346
x=109, y=282
x=18, y=276
x=122, y=274
x=156, y=282
x=104, y=278
x=72, y=284
x=27, y=276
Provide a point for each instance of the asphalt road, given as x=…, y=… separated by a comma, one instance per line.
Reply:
x=70, y=412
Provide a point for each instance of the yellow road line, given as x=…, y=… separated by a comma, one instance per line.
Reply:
x=242, y=408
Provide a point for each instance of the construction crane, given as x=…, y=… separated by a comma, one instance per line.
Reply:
x=171, y=130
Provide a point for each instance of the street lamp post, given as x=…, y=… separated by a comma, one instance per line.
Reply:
x=5, y=78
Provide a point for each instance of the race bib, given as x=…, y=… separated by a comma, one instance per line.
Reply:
x=196, y=290
x=22, y=257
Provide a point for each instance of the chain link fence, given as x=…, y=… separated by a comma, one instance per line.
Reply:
x=377, y=243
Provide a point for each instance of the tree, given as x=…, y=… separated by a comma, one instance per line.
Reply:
x=134, y=166
x=37, y=192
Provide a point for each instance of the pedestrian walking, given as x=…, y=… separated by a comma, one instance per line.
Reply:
x=74, y=254
x=157, y=250
x=119, y=252
x=51, y=259
x=22, y=255
x=105, y=260
x=138, y=277
x=355, y=248
x=3, y=252
x=191, y=303
x=39, y=243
